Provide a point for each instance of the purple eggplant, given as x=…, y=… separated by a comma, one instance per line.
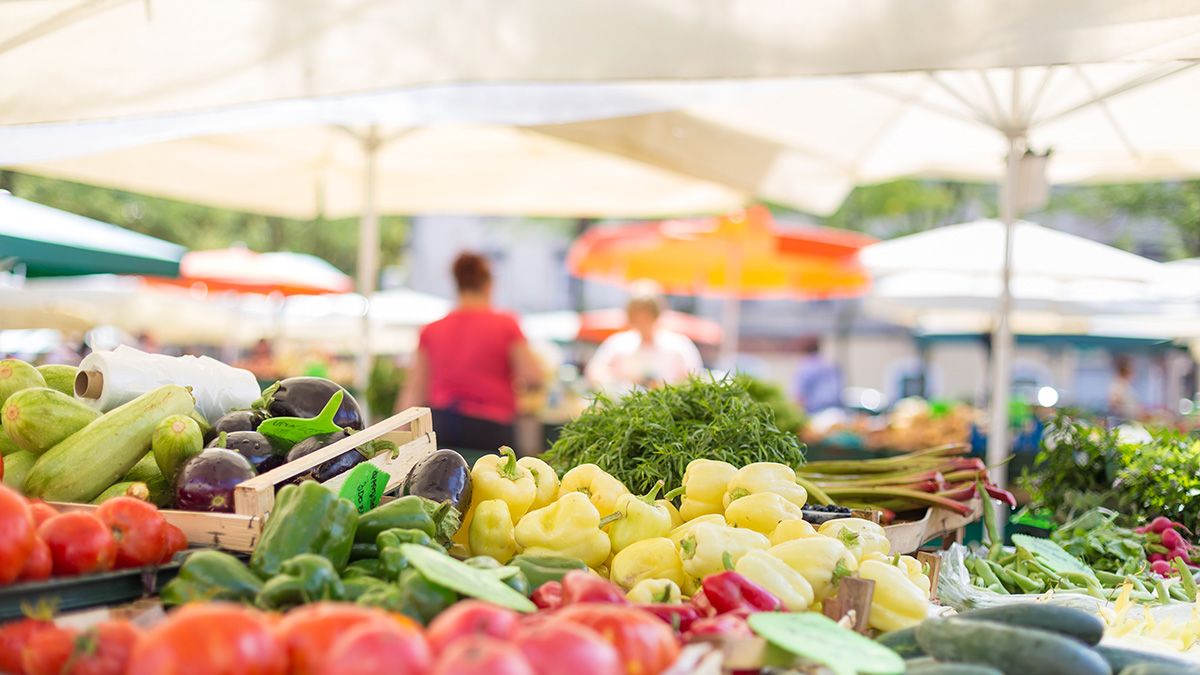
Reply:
x=255, y=447
x=304, y=397
x=330, y=467
x=239, y=420
x=206, y=481
x=440, y=476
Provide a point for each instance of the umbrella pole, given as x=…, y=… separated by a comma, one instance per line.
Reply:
x=998, y=448
x=368, y=258
x=731, y=318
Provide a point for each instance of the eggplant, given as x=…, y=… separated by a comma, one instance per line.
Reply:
x=239, y=420
x=206, y=481
x=256, y=448
x=331, y=467
x=443, y=475
x=305, y=397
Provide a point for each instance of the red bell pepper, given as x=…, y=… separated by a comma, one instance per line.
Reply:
x=725, y=625
x=702, y=605
x=580, y=586
x=548, y=596
x=730, y=591
x=680, y=617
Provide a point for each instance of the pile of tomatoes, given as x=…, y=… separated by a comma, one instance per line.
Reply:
x=344, y=639
x=37, y=542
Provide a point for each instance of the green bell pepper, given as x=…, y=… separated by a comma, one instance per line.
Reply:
x=423, y=599
x=439, y=521
x=211, y=575
x=384, y=596
x=307, y=518
x=361, y=551
x=303, y=579
x=357, y=587
x=512, y=576
x=370, y=567
x=539, y=569
x=396, y=536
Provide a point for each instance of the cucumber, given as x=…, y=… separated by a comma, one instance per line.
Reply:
x=162, y=492
x=133, y=489
x=1160, y=669
x=16, y=468
x=903, y=642
x=1121, y=659
x=938, y=668
x=1015, y=651
x=40, y=418
x=16, y=375
x=176, y=440
x=1067, y=621
x=96, y=456
x=59, y=378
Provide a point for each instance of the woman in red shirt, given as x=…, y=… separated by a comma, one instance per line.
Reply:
x=469, y=364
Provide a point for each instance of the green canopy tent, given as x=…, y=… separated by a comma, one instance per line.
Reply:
x=48, y=242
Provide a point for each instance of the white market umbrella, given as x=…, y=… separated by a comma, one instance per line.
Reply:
x=335, y=320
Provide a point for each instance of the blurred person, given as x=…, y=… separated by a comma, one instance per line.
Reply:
x=470, y=364
x=261, y=361
x=1122, y=401
x=646, y=355
x=818, y=382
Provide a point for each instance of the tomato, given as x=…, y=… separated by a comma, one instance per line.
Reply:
x=13, y=638
x=209, y=639
x=38, y=565
x=176, y=541
x=378, y=647
x=139, y=529
x=41, y=511
x=48, y=651
x=471, y=617
x=79, y=543
x=568, y=649
x=477, y=653
x=16, y=534
x=102, y=650
x=646, y=645
x=308, y=632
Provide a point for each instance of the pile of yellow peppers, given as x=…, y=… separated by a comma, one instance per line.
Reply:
x=747, y=519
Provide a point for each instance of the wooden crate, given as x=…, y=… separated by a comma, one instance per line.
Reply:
x=909, y=536
x=411, y=431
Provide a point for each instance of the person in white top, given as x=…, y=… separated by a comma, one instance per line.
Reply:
x=646, y=355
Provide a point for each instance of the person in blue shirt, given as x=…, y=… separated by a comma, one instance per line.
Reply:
x=818, y=383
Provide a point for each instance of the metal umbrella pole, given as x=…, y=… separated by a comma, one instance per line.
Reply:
x=368, y=256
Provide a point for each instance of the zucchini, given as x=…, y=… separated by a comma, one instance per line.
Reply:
x=206, y=429
x=96, y=456
x=59, y=378
x=1160, y=669
x=903, y=642
x=162, y=492
x=16, y=375
x=938, y=668
x=176, y=440
x=134, y=489
x=1067, y=621
x=1121, y=659
x=40, y=418
x=1015, y=651
x=16, y=469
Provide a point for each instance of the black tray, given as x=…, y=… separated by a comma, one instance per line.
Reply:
x=69, y=593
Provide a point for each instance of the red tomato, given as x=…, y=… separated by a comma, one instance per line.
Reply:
x=645, y=644
x=41, y=511
x=38, y=565
x=48, y=651
x=378, y=647
x=139, y=529
x=568, y=649
x=471, y=617
x=103, y=650
x=79, y=543
x=477, y=654
x=308, y=632
x=16, y=534
x=13, y=638
x=176, y=542
x=209, y=639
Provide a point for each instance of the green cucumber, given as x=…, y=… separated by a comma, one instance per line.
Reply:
x=135, y=489
x=96, y=456
x=176, y=439
x=1121, y=658
x=16, y=375
x=903, y=642
x=16, y=469
x=40, y=418
x=1016, y=651
x=59, y=377
x=162, y=492
x=1067, y=621
x=938, y=668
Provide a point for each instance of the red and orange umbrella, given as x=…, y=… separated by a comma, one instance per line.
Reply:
x=240, y=269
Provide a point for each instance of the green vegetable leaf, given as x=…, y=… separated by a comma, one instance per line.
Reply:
x=460, y=577
x=819, y=639
x=1052, y=555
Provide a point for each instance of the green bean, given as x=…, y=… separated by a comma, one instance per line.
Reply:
x=1186, y=580
x=1001, y=574
x=983, y=570
x=1046, y=571
x=1164, y=595
x=1139, y=585
x=995, y=539
x=1109, y=579
x=1027, y=584
x=998, y=588
x=1008, y=559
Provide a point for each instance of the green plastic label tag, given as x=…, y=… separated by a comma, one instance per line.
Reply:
x=292, y=430
x=364, y=486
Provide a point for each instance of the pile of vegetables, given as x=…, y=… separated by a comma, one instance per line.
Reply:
x=1097, y=540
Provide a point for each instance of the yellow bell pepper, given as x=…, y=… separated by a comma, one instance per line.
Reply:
x=682, y=531
x=498, y=477
x=545, y=480
x=788, y=530
x=897, y=602
x=859, y=535
x=785, y=583
x=761, y=512
x=602, y=489
x=821, y=560
x=569, y=527
x=676, y=519
x=913, y=569
x=703, y=549
x=704, y=483
x=647, y=559
x=765, y=477
x=655, y=592
x=638, y=518
x=492, y=531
